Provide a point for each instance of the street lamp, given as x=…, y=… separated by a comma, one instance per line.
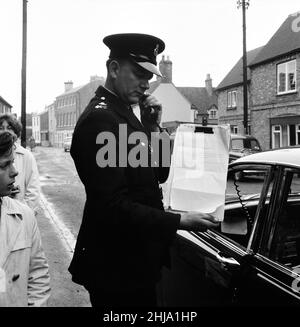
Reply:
x=244, y=4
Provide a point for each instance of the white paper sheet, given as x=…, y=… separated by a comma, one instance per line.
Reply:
x=198, y=172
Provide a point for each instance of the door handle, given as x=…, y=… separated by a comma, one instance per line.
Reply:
x=227, y=261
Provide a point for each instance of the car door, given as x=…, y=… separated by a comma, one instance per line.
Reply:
x=206, y=267
x=197, y=277
x=272, y=271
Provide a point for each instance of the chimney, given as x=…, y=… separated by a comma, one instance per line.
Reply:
x=208, y=85
x=165, y=67
x=95, y=78
x=68, y=86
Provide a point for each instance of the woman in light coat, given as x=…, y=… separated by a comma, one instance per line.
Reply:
x=27, y=180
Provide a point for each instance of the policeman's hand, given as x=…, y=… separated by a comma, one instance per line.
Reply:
x=197, y=221
x=151, y=111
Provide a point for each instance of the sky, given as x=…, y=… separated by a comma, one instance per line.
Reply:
x=64, y=39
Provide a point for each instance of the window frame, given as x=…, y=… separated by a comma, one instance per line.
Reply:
x=234, y=129
x=285, y=65
x=280, y=199
x=266, y=193
x=230, y=104
x=273, y=135
x=213, y=110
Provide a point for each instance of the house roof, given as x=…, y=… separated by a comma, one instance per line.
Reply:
x=153, y=86
x=77, y=88
x=197, y=96
x=283, y=42
x=73, y=90
x=235, y=76
x=5, y=102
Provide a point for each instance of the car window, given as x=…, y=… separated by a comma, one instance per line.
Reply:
x=245, y=143
x=285, y=235
x=252, y=144
x=237, y=144
x=242, y=201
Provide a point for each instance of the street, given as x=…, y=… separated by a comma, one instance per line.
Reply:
x=62, y=202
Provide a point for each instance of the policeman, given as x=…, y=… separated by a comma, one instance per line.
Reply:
x=125, y=233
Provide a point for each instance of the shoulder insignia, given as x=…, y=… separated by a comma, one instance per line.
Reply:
x=101, y=105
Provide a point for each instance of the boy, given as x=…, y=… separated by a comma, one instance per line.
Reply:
x=24, y=275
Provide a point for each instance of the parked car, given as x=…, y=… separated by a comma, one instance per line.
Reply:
x=253, y=257
x=240, y=146
x=67, y=143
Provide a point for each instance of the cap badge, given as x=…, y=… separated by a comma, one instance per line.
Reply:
x=155, y=51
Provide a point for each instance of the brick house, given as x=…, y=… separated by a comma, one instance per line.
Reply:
x=230, y=95
x=36, y=128
x=51, y=123
x=204, y=100
x=5, y=107
x=28, y=125
x=69, y=105
x=275, y=86
x=44, y=127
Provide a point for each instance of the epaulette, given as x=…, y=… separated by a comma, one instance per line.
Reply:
x=102, y=104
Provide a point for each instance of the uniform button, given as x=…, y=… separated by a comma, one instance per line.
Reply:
x=15, y=277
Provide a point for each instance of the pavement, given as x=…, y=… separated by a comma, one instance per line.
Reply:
x=58, y=244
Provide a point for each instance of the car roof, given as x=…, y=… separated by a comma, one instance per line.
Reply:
x=240, y=136
x=283, y=156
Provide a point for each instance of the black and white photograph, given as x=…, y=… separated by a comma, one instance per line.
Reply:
x=149, y=157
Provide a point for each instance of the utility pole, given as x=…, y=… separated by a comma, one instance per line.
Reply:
x=244, y=4
x=23, y=83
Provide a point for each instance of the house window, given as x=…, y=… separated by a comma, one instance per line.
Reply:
x=249, y=129
x=286, y=77
x=233, y=129
x=231, y=99
x=276, y=136
x=293, y=135
x=298, y=134
x=213, y=114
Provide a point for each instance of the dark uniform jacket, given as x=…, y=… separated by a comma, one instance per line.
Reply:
x=125, y=233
